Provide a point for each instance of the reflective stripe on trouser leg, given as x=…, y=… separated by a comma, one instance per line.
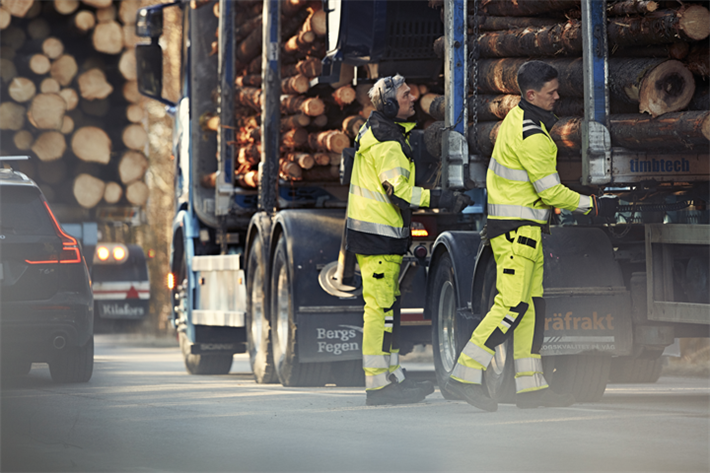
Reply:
x=528, y=374
x=380, y=276
x=472, y=361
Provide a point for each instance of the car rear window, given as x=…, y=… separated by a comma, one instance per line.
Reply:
x=22, y=212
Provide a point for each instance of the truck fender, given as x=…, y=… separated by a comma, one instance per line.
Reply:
x=185, y=229
x=464, y=248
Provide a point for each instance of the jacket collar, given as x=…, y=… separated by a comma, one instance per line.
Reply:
x=537, y=114
x=385, y=129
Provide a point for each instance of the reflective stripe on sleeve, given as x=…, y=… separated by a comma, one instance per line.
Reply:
x=472, y=375
x=376, y=381
x=378, y=228
x=368, y=194
x=528, y=365
x=517, y=212
x=376, y=361
x=547, y=182
x=507, y=173
x=392, y=173
x=530, y=383
x=585, y=203
x=477, y=353
x=416, y=197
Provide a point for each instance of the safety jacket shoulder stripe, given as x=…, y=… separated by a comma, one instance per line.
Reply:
x=547, y=182
x=393, y=173
x=517, y=212
x=508, y=173
x=530, y=130
x=368, y=194
x=377, y=228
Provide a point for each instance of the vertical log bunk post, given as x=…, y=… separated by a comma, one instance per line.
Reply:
x=596, y=140
x=454, y=144
x=271, y=107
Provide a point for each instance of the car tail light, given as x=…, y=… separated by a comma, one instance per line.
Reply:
x=171, y=281
x=70, y=248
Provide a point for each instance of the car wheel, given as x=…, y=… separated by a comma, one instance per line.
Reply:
x=73, y=364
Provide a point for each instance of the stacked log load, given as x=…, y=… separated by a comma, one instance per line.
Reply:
x=658, y=72
x=70, y=100
x=317, y=122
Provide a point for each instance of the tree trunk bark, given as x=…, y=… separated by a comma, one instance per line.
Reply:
x=689, y=22
x=310, y=67
x=294, y=121
x=88, y=190
x=526, y=7
x=322, y=174
x=248, y=97
x=632, y=7
x=91, y=144
x=250, y=48
x=698, y=60
x=676, y=50
x=108, y=38
x=248, y=80
x=658, y=86
x=500, y=23
x=563, y=39
x=352, y=125
x=93, y=85
x=294, y=138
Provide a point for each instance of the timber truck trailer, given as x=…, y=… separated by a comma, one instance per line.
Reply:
x=263, y=270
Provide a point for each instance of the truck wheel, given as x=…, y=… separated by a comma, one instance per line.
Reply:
x=583, y=376
x=289, y=370
x=348, y=373
x=445, y=326
x=73, y=364
x=258, y=323
x=15, y=368
x=499, y=377
x=203, y=364
x=626, y=369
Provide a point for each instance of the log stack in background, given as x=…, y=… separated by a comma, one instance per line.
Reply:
x=318, y=122
x=658, y=72
x=70, y=100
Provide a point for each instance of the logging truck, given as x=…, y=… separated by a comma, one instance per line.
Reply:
x=273, y=91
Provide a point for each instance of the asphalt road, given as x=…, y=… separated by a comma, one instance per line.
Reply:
x=142, y=412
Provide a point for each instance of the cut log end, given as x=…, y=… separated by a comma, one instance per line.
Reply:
x=91, y=144
x=88, y=190
x=137, y=193
x=113, y=192
x=667, y=88
x=49, y=146
x=694, y=21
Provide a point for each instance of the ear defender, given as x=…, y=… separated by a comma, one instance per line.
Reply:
x=390, y=108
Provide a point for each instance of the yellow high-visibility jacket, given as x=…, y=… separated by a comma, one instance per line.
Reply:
x=382, y=191
x=522, y=180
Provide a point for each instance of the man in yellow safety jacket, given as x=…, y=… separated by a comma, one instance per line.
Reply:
x=523, y=186
x=381, y=199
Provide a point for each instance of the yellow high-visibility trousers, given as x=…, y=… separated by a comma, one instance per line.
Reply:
x=519, y=270
x=380, y=345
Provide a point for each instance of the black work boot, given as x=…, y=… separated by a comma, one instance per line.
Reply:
x=393, y=393
x=473, y=394
x=543, y=398
x=424, y=387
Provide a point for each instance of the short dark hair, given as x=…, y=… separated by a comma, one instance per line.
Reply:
x=534, y=74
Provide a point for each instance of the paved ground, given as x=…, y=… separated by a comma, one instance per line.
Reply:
x=142, y=412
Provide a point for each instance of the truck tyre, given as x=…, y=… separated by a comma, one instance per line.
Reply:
x=258, y=323
x=446, y=332
x=583, y=376
x=626, y=369
x=348, y=373
x=203, y=364
x=73, y=364
x=499, y=377
x=16, y=368
x=290, y=371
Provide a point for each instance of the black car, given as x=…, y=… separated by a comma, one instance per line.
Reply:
x=46, y=302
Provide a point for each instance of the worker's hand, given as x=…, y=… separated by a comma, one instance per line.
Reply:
x=454, y=201
x=605, y=205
